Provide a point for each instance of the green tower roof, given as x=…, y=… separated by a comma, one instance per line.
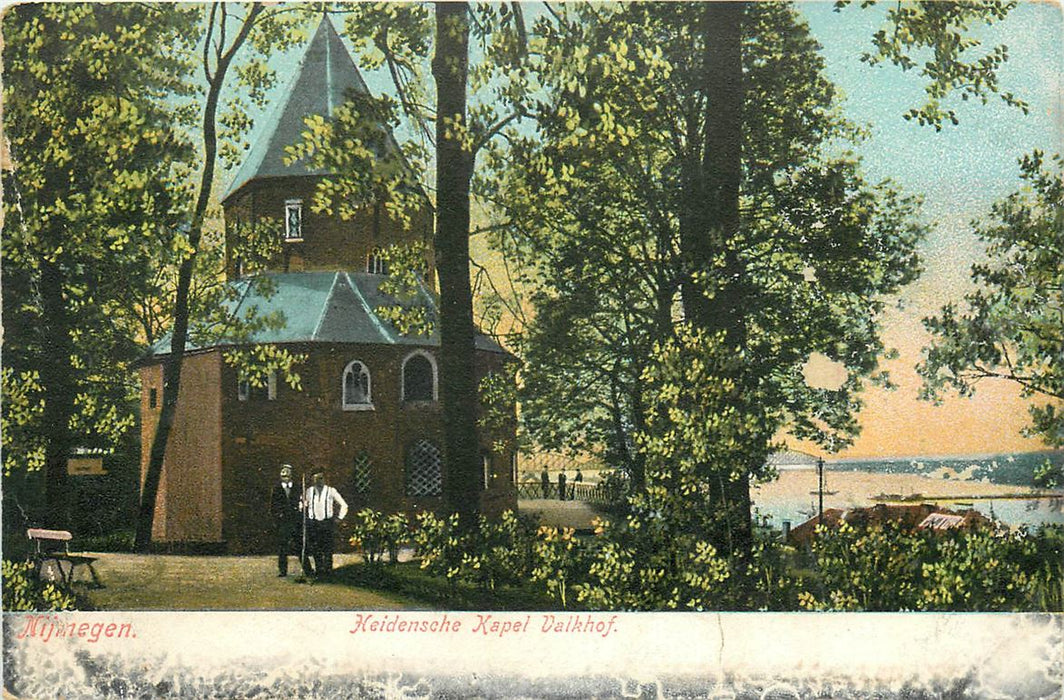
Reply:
x=325, y=77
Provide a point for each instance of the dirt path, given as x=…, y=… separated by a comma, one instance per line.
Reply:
x=174, y=582
x=168, y=582
x=574, y=514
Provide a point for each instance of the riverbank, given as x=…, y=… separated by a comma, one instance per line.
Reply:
x=793, y=496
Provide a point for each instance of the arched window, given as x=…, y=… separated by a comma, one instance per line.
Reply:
x=356, y=387
x=375, y=263
x=424, y=469
x=419, y=377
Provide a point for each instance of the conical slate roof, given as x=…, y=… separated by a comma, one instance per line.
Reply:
x=325, y=76
x=327, y=307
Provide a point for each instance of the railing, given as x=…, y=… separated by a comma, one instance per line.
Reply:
x=598, y=494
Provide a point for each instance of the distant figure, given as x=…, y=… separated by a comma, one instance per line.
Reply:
x=544, y=479
x=579, y=477
x=561, y=485
x=284, y=509
x=324, y=507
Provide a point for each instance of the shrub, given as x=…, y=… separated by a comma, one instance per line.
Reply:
x=560, y=562
x=438, y=545
x=887, y=568
x=498, y=552
x=23, y=592
x=375, y=535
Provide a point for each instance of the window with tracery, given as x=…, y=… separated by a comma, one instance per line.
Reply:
x=356, y=387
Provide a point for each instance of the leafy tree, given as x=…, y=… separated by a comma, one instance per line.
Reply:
x=766, y=231
x=93, y=203
x=603, y=204
x=936, y=39
x=226, y=30
x=1011, y=326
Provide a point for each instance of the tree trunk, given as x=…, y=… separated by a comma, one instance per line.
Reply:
x=57, y=382
x=454, y=171
x=711, y=181
x=179, y=339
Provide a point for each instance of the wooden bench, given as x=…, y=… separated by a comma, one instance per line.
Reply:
x=54, y=546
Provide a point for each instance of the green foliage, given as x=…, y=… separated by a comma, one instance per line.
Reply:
x=356, y=144
x=375, y=534
x=22, y=592
x=1049, y=475
x=499, y=552
x=439, y=545
x=648, y=562
x=560, y=562
x=414, y=312
x=489, y=555
x=937, y=38
x=23, y=407
x=1010, y=327
x=92, y=206
x=594, y=210
x=498, y=406
x=887, y=568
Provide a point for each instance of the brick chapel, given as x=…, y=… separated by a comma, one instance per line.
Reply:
x=367, y=412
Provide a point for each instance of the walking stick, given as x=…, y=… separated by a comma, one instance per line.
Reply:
x=303, y=511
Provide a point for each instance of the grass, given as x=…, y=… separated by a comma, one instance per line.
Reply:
x=166, y=582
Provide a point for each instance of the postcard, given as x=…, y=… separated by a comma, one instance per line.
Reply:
x=520, y=350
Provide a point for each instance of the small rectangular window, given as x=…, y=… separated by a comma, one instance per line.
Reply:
x=153, y=398
x=293, y=220
x=246, y=391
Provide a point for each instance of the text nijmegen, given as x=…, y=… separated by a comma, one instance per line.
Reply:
x=46, y=627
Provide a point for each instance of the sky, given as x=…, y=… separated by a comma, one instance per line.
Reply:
x=959, y=172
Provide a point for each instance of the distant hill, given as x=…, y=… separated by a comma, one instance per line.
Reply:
x=790, y=459
x=1011, y=468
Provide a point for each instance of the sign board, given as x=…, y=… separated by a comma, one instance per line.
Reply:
x=85, y=466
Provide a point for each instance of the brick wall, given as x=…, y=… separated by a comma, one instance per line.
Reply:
x=329, y=243
x=309, y=429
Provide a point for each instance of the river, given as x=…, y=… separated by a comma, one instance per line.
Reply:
x=793, y=497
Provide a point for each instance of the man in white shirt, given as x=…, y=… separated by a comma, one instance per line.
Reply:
x=324, y=506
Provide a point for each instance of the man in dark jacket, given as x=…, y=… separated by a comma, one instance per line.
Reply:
x=287, y=518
